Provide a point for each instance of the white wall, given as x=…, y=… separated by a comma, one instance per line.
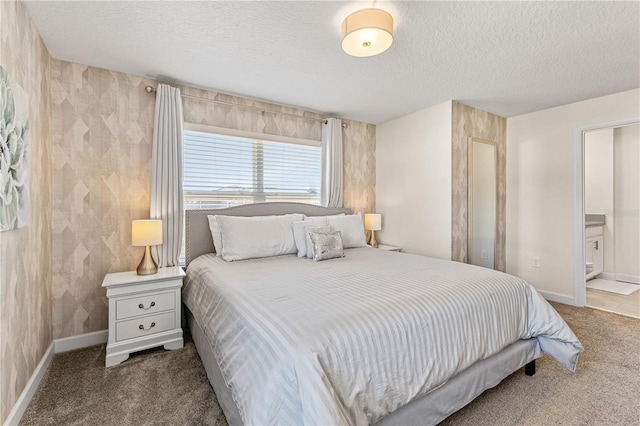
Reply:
x=598, y=186
x=540, y=187
x=627, y=201
x=413, y=181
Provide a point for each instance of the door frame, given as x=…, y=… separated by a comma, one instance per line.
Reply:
x=579, y=273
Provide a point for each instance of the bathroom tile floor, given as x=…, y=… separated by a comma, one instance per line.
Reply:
x=618, y=287
x=618, y=303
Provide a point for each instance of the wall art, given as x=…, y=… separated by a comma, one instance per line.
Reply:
x=14, y=144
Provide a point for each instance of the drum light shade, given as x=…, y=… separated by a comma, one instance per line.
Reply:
x=146, y=232
x=367, y=32
x=373, y=221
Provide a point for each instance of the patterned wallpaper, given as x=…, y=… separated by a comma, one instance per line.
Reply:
x=102, y=131
x=359, y=157
x=253, y=120
x=471, y=122
x=25, y=253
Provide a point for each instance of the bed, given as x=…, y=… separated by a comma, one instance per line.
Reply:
x=374, y=337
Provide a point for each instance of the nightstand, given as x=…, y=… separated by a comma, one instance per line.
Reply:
x=389, y=248
x=144, y=312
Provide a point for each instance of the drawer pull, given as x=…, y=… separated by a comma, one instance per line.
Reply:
x=141, y=327
x=141, y=306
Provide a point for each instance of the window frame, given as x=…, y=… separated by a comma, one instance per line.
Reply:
x=215, y=130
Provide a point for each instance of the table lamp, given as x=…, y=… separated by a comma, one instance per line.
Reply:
x=146, y=233
x=373, y=223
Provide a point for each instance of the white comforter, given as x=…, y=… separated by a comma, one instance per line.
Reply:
x=347, y=341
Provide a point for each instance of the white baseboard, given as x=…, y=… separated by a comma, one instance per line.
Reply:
x=30, y=389
x=58, y=345
x=560, y=298
x=631, y=279
x=81, y=341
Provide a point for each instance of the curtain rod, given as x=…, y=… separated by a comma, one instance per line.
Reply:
x=151, y=89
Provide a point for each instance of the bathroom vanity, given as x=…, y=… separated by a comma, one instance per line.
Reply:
x=594, y=244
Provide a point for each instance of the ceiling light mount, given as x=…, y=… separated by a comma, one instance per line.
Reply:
x=367, y=32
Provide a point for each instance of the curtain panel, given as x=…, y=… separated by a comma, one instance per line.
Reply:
x=166, y=201
x=331, y=184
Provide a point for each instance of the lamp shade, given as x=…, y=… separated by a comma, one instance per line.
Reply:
x=367, y=32
x=146, y=232
x=373, y=222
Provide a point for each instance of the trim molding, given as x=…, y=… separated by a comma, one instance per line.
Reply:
x=30, y=389
x=80, y=341
x=580, y=290
x=56, y=346
x=556, y=297
x=631, y=279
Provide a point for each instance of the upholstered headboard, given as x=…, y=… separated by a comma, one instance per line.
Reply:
x=198, y=236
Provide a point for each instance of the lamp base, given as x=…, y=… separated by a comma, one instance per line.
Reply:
x=372, y=240
x=147, y=265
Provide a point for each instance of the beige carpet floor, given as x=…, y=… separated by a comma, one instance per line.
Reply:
x=158, y=387
x=153, y=387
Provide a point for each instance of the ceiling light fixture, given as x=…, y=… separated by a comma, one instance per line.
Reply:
x=367, y=32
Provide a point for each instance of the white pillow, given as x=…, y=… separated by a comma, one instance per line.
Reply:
x=254, y=237
x=215, y=234
x=324, y=217
x=300, y=233
x=351, y=229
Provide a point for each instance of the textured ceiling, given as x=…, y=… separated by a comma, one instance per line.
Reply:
x=508, y=58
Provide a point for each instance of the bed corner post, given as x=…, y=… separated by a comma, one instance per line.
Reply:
x=530, y=368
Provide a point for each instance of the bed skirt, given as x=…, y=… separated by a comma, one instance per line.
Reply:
x=429, y=409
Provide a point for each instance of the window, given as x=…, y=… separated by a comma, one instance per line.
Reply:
x=232, y=168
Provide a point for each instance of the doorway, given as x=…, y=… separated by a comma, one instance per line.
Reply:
x=607, y=230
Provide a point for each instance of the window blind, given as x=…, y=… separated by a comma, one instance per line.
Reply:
x=221, y=171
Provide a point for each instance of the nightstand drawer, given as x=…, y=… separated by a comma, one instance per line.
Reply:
x=143, y=305
x=140, y=327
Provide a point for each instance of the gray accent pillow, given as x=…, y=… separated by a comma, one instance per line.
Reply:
x=318, y=230
x=326, y=246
